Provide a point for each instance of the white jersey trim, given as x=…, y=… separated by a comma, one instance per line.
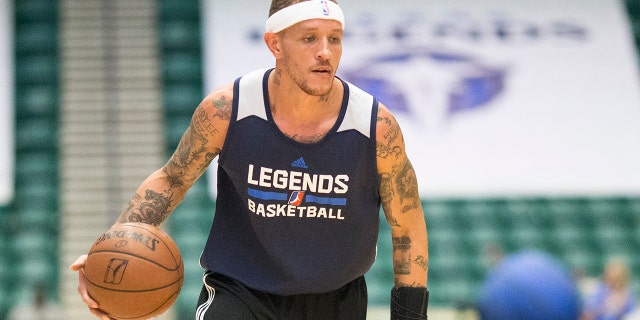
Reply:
x=251, y=96
x=358, y=114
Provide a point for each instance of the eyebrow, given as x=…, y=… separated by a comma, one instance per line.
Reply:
x=308, y=29
x=314, y=27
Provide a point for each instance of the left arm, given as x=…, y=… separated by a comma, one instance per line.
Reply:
x=401, y=204
x=403, y=211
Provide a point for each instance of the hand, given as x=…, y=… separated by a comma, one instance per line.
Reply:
x=94, y=308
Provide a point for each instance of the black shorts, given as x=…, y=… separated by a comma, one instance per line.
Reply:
x=223, y=298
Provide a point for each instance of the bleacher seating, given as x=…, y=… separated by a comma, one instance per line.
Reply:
x=179, y=28
x=29, y=226
x=6, y=260
x=580, y=232
x=633, y=10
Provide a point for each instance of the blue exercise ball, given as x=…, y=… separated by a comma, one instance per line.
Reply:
x=529, y=285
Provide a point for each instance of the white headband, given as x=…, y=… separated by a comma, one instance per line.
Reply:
x=305, y=10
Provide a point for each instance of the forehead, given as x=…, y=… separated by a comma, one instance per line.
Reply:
x=317, y=25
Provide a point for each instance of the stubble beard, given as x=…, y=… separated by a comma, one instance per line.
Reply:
x=303, y=83
x=319, y=92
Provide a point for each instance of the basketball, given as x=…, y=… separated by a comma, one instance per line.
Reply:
x=134, y=271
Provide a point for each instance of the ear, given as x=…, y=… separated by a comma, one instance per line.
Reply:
x=273, y=43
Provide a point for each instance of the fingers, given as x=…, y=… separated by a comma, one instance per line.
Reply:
x=84, y=294
x=86, y=298
x=98, y=313
x=78, y=266
x=79, y=263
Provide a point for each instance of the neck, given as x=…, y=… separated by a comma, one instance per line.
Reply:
x=301, y=116
x=286, y=97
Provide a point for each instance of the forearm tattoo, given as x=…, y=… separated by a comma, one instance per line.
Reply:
x=401, y=255
x=153, y=209
x=189, y=161
x=422, y=262
x=402, y=261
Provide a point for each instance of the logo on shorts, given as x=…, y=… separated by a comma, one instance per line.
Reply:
x=115, y=271
x=296, y=198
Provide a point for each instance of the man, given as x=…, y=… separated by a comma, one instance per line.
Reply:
x=612, y=299
x=305, y=161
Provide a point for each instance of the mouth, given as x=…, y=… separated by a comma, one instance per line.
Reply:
x=322, y=70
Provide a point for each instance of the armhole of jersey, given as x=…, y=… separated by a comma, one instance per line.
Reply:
x=374, y=119
x=357, y=115
x=374, y=137
x=251, y=96
x=234, y=102
x=248, y=100
x=232, y=120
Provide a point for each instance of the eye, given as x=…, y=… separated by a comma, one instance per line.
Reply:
x=335, y=40
x=309, y=39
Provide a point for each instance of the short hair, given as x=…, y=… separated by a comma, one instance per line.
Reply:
x=277, y=5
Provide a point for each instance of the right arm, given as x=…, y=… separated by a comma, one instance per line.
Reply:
x=164, y=189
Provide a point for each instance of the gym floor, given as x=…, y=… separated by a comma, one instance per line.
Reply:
x=382, y=313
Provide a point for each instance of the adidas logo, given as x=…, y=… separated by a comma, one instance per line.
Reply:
x=299, y=163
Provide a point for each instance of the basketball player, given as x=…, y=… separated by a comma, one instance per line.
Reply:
x=305, y=161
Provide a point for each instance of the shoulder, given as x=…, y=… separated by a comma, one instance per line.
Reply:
x=217, y=104
x=210, y=120
x=387, y=127
x=390, y=147
x=215, y=109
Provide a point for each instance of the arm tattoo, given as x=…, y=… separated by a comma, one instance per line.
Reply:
x=386, y=194
x=385, y=150
x=422, y=262
x=401, y=255
x=201, y=123
x=405, y=179
x=188, y=162
x=190, y=149
x=405, y=284
x=223, y=108
x=153, y=209
x=207, y=159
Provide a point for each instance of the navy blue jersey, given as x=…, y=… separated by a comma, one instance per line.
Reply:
x=294, y=218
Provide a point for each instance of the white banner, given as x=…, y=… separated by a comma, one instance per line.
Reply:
x=495, y=97
x=7, y=152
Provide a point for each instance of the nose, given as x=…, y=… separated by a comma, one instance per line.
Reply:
x=323, y=51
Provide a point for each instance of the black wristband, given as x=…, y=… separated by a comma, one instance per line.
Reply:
x=409, y=303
